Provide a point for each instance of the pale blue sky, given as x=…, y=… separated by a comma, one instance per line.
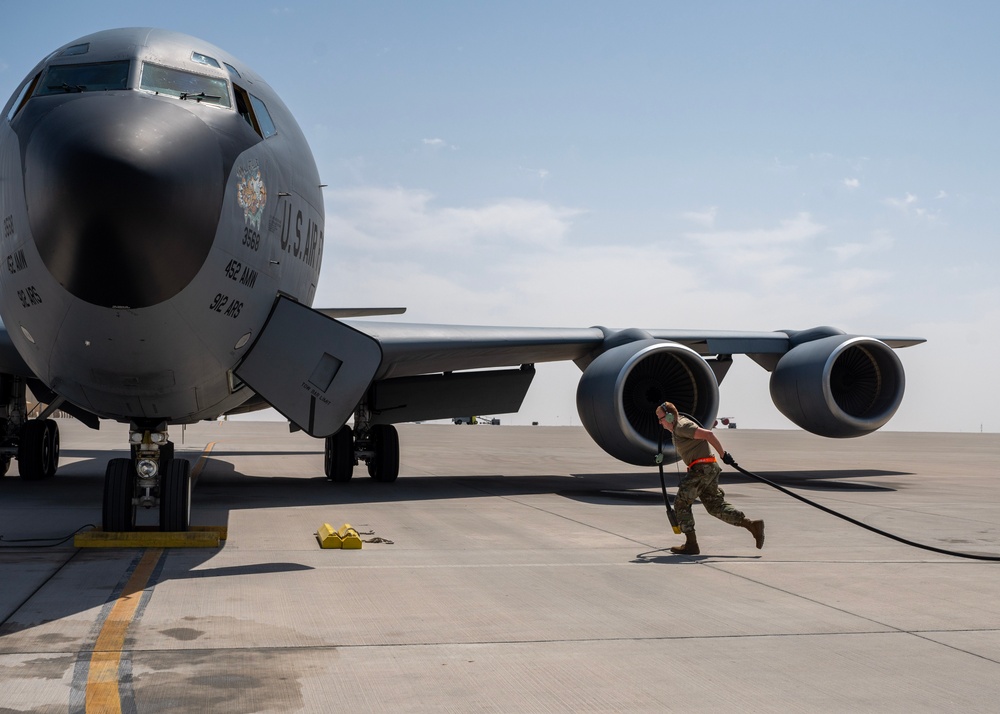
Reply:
x=778, y=164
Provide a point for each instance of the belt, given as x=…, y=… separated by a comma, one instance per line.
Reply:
x=706, y=460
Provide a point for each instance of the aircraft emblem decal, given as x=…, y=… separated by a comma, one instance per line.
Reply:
x=251, y=193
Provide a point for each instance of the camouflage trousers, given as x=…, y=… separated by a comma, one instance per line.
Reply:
x=702, y=481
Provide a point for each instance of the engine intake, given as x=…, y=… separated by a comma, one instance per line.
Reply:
x=619, y=391
x=839, y=386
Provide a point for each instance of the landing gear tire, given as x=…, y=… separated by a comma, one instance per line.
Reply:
x=384, y=465
x=175, y=496
x=166, y=454
x=38, y=451
x=119, y=489
x=338, y=455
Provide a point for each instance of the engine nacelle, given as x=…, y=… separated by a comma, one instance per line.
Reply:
x=620, y=390
x=838, y=386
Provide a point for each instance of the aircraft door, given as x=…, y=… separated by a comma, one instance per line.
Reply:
x=310, y=367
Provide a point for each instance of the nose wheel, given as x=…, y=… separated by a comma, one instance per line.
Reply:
x=175, y=496
x=152, y=477
x=118, y=514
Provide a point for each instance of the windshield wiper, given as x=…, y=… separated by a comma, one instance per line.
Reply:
x=68, y=87
x=198, y=96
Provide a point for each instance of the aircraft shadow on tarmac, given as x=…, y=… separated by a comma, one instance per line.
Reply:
x=220, y=489
x=74, y=498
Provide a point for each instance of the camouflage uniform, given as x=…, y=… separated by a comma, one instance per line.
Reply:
x=699, y=481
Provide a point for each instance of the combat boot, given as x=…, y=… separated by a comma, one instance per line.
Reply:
x=690, y=546
x=756, y=529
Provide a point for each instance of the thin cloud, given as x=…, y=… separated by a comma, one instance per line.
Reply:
x=902, y=204
x=540, y=174
x=852, y=183
x=880, y=242
x=407, y=219
x=791, y=231
x=437, y=143
x=704, y=218
x=909, y=205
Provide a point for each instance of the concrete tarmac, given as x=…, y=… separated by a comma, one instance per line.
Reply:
x=527, y=572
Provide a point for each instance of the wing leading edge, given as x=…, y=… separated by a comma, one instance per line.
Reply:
x=411, y=348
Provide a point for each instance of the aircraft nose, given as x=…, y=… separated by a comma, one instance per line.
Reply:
x=124, y=194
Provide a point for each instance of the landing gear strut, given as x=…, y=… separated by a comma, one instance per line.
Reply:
x=151, y=477
x=375, y=444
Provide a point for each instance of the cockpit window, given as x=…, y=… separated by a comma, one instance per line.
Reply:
x=22, y=96
x=184, y=85
x=205, y=60
x=255, y=112
x=263, y=117
x=66, y=78
x=75, y=50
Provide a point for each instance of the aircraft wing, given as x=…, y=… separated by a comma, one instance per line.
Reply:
x=318, y=371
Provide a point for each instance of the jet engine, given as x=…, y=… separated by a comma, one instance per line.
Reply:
x=838, y=386
x=619, y=391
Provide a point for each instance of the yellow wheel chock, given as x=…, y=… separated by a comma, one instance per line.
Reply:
x=345, y=537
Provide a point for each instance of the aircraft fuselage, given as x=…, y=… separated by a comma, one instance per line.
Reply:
x=156, y=195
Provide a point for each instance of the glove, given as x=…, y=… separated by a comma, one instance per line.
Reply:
x=728, y=459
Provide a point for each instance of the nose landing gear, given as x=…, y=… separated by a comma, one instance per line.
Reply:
x=151, y=477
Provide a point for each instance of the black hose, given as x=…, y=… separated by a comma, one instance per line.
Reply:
x=57, y=540
x=867, y=527
x=671, y=515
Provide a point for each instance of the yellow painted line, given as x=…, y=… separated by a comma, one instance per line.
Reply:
x=103, y=691
x=196, y=471
x=102, y=677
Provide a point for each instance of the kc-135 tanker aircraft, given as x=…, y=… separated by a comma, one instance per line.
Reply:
x=163, y=229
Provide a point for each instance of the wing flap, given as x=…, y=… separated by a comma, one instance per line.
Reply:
x=442, y=396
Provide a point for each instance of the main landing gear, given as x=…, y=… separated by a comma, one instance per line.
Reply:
x=33, y=442
x=37, y=450
x=375, y=444
x=152, y=477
